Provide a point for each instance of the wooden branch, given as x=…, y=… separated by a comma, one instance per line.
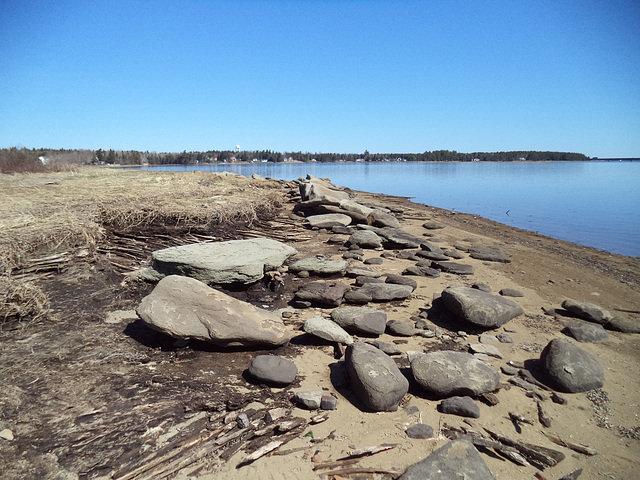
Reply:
x=336, y=464
x=576, y=447
x=261, y=452
x=352, y=471
x=361, y=452
x=542, y=455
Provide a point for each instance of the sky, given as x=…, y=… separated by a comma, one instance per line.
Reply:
x=322, y=76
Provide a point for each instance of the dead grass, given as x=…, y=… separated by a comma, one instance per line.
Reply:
x=20, y=301
x=50, y=213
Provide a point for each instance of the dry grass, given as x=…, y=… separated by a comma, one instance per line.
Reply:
x=21, y=300
x=49, y=213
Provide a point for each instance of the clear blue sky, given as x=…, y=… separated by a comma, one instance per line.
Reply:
x=322, y=76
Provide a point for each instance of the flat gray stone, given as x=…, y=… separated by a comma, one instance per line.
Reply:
x=570, y=368
x=327, y=330
x=329, y=220
x=365, y=239
x=379, y=292
x=419, y=431
x=235, y=261
x=510, y=292
x=325, y=293
x=353, y=206
x=461, y=406
x=376, y=379
x=489, y=254
x=588, y=311
x=378, y=218
x=387, y=348
x=480, y=308
x=373, y=261
x=400, y=328
x=419, y=271
x=360, y=320
x=318, y=192
x=432, y=225
x=361, y=272
x=401, y=280
x=319, y=266
x=398, y=238
x=447, y=373
x=486, y=349
x=433, y=255
x=587, y=332
x=273, y=369
x=457, y=460
x=454, y=267
x=624, y=325
x=311, y=400
x=186, y=308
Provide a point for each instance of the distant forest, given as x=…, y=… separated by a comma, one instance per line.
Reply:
x=16, y=160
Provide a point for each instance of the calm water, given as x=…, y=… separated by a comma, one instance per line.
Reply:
x=596, y=204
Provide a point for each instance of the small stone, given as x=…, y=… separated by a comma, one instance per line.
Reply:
x=243, y=421
x=462, y=406
x=419, y=431
x=482, y=287
x=509, y=370
x=6, y=434
x=624, y=325
x=510, y=292
x=559, y=399
x=488, y=339
x=328, y=402
x=274, y=414
x=373, y=261
x=426, y=333
x=385, y=347
x=308, y=400
x=273, y=369
x=490, y=350
x=504, y=338
x=403, y=329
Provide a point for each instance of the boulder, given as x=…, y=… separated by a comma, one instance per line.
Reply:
x=400, y=328
x=398, y=238
x=456, y=460
x=461, y=406
x=273, y=369
x=587, y=332
x=329, y=220
x=480, y=308
x=379, y=292
x=235, y=261
x=387, y=348
x=454, y=267
x=186, y=308
x=318, y=265
x=325, y=293
x=433, y=255
x=570, y=368
x=489, y=254
x=327, y=330
x=624, y=325
x=378, y=218
x=353, y=206
x=401, y=280
x=432, y=225
x=318, y=192
x=447, y=373
x=376, y=379
x=360, y=320
x=365, y=239
x=588, y=311
x=419, y=431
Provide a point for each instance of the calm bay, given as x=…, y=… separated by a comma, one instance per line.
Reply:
x=596, y=203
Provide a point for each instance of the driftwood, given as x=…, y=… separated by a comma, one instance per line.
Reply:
x=576, y=447
x=542, y=455
x=336, y=464
x=352, y=471
x=519, y=419
x=480, y=441
x=261, y=452
x=362, y=452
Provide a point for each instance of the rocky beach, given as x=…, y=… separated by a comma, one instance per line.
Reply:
x=340, y=334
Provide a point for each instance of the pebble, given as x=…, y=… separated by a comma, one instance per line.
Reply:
x=328, y=402
x=309, y=400
x=504, y=338
x=373, y=261
x=419, y=431
x=6, y=434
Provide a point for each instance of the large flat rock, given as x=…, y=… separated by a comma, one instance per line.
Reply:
x=480, y=308
x=235, y=261
x=186, y=308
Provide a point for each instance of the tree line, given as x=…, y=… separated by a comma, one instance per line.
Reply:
x=23, y=159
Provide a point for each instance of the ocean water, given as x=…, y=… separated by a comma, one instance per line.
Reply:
x=596, y=204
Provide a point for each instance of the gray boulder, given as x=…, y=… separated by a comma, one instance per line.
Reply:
x=318, y=192
x=401, y=280
x=186, y=308
x=454, y=267
x=570, y=368
x=489, y=254
x=419, y=431
x=378, y=218
x=318, y=265
x=325, y=293
x=588, y=311
x=480, y=308
x=422, y=271
x=400, y=328
x=447, y=373
x=456, y=460
x=235, y=261
x=329, y=220
x=379, y=292
x=327, y=330
x=587, y=332
x=461, y=406
x=432, y=225
x=387, y=348
x=624, y=325
x=355, y=207
x=360, y=320
x=398, y=238
x=273, y=369
x=365, y=239
x=375, y=377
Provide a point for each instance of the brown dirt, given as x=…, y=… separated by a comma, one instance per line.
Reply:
x=89, y=395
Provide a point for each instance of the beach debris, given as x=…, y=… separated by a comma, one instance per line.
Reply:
x=576, y=447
